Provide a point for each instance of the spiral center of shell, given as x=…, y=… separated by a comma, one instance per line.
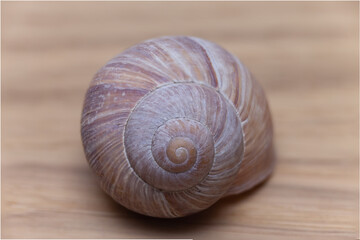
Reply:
x=181, y=149
x=176, y=146
x=181, y=155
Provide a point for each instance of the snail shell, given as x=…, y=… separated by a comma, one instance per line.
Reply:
x=173, y=124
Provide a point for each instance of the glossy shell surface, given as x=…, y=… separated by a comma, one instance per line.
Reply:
x=173, y=124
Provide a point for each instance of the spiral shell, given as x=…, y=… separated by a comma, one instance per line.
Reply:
x=173, y=124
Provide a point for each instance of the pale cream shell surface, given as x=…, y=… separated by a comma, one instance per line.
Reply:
x=173, y=124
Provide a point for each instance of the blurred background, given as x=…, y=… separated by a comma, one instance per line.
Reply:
x=305, y=54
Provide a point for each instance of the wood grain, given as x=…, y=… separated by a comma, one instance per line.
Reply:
x=305, y=54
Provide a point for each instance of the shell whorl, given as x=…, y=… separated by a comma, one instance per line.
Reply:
x=176, y=138
x=165, y=127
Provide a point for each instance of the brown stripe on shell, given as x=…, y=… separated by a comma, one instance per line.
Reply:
x=198, y=48
x=138, y=69
x=227, y=70
x=259, y=159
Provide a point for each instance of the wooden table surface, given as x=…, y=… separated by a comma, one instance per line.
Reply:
x=305, y=54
